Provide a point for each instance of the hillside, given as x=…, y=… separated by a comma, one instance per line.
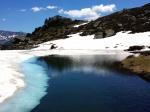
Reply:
x=6, y=36
x=56, y=27
x=135, y=20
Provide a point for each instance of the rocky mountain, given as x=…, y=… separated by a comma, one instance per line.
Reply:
x=9, y=35
x=56, y=27
x=134, y=20
x=5, y=35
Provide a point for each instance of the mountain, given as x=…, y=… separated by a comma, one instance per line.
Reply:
x=134, y=20
x=57, y=27
x=9, y=35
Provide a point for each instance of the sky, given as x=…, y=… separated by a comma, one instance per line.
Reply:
x=26, y=15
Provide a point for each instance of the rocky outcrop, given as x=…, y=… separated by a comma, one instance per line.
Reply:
x=139, y=65
x=54, y=28
x=99, y=35
x=135, y=48
x=57, y=27
x=134, y=20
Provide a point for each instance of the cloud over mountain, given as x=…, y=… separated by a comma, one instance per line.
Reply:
x=89, y=13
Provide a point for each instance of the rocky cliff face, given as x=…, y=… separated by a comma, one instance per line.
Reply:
x=134, y=20
x=57, y=27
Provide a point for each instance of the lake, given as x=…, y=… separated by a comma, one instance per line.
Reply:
x=92, y=83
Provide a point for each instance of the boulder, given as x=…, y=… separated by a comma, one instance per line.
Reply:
x=109, y=32
x=135, y=48
x=99, y=35
x=53, y=46
x=96, y=24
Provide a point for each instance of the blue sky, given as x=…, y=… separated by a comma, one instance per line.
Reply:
x=25, y=15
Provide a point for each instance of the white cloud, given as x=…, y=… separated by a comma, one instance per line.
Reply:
x=3, y=19
x=104, y=8
x=38, y=9
x=51, y=7
x=89, y=13
x=61, y=11
x=85, y=13
x=23, y=10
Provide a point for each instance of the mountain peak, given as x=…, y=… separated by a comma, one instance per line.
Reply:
x=147, y=5
x=59, y=21
x=58, y=27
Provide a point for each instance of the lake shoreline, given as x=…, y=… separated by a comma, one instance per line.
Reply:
x=16, y=57
x=69, y=73
x=139, y=65
x=11, y=60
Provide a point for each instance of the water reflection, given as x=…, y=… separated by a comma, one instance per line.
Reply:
x=100, y=64
x=91, y=84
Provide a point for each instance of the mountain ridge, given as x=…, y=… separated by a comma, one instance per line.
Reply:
x=6, y=36
x=135, y=20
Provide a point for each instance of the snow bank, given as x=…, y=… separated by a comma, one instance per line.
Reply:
x=76, y=26
x=36, y=80
x=11, y=78
x=120, y=41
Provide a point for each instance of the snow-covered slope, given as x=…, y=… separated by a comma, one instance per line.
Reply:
x=12, y=78
x=120, y=41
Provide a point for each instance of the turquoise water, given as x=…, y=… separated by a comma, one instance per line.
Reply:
x=36, y=80
x=79, y=84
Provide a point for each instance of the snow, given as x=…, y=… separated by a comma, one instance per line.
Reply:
x=7, y=37
x=76, y=26
x=11, y=78
x=120, y=41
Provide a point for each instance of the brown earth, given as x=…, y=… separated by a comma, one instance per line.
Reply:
x=139, y=65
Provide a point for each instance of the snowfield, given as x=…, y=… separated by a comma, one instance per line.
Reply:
x=11, y=78
x=120, y=41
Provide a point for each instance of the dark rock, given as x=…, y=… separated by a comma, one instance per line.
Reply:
x=119, y=24
x=53, y=46
x=96, y=24
x=109, y=32
x=17, y=40
x=134, y=20
x=135, y=48
x=131, y=56
x=56, y=27
x=99, y=35
x=145, y=53
x=85, y=33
